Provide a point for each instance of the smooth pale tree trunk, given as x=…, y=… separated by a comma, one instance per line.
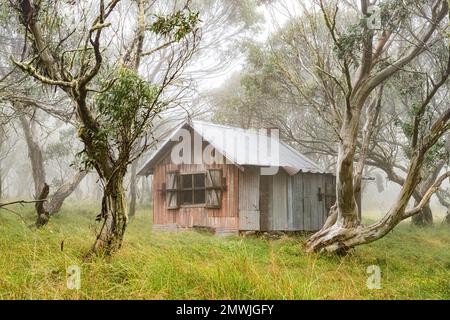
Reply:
x=35, y=155
x=347, y=207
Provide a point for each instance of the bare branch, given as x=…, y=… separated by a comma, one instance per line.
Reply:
x=427, y=196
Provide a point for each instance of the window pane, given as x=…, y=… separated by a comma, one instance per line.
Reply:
x=199, y=196
x=186, y=181
x=199, y=180
x=186, y=197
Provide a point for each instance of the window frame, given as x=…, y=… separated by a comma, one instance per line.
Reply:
x=192, y=189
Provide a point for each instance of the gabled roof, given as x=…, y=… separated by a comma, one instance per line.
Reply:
x=288, y=158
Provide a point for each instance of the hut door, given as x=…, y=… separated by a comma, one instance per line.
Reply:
x=249, y=199
x=265, y=202
x=297, y=202
x=313, y=205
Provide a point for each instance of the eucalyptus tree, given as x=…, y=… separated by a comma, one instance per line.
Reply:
x=24, y=102
x=60, y=154
x=266, y=94
x=347, y=82
x=114, y=106
x=363, y=60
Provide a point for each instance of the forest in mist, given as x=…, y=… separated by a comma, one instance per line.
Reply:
x=89, y=90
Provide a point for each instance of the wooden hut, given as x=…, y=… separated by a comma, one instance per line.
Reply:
x=236, y=194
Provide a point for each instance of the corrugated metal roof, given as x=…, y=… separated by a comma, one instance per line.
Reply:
x=241, y=147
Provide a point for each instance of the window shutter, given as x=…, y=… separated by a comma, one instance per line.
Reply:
x=214, y=188
x=172, y=190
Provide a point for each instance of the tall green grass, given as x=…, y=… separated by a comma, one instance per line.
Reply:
x=415, y=263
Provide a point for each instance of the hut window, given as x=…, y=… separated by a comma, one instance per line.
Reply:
x=192, y=189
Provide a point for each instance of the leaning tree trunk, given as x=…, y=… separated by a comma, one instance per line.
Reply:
x=63, y=192
x=113, y=217
x=347, y=207
x=340, y=234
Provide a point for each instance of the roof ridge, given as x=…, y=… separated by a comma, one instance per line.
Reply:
x=220, y=125
x=292, y=158
x=258, y=132
x=300, y=154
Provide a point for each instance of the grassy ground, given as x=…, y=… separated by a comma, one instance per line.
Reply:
x=414, y=263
